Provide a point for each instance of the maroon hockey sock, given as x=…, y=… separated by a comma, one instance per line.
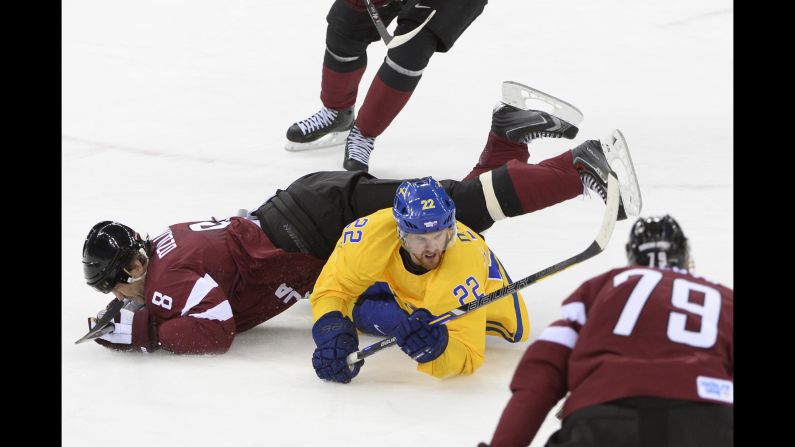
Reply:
x=496, y=153
x=338, y=89
x=545, y=184
x=381, y=105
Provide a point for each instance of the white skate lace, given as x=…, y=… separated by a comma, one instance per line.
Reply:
x=359, y=146
x=323, y=118
x=589, y=182
x=540, y=134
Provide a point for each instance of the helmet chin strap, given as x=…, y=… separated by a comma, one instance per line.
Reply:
x=132, y=280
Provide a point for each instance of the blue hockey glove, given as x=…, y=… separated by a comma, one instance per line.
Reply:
x=418, y=339
x=335, y=338
x=377, y=315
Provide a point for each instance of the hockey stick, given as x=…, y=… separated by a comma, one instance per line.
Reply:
x=104, y=324
x=596, y=247
x=390, y=40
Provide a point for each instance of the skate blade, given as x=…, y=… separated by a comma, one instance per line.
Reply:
x=616, y=150
x=520, y=96
x=329, y=140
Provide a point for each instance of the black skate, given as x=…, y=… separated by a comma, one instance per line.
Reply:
x=523, y=126
x=327, y=127
x=357, y=151
x=591, y=164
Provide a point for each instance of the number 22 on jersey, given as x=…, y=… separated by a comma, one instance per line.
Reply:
x=354, y=235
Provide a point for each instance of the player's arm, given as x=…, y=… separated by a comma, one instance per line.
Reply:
x=354, y=265
x=201, y=322
x=356, y=262
x=538, y=384
x=464, y=352
x=190, y=315
x=508, y=316
x=462, y=278
x=540, y=379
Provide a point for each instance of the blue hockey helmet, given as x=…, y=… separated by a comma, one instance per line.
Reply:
x=108, y=249
x=423, y=206
x=658, y=241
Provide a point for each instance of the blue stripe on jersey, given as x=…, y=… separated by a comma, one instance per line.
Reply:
x=500, y=329
x=494, y=268
x=519, y=326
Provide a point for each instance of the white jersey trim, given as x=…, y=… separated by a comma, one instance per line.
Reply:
x=221, y=312
x=492, y=203
x=201, y=288
x=574, y=312
x=561, y=335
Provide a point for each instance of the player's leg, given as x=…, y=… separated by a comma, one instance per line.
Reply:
x=348, y=34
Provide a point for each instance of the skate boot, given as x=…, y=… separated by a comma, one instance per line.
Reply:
x=591, y=163
x=327, y=127
x=522, y=126
x=357, y=151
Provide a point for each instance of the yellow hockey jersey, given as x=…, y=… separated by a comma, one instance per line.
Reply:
x=368, y=252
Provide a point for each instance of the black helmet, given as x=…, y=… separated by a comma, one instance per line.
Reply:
x=109, y=248
x=658, y=242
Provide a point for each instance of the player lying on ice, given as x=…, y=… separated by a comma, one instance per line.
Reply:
x=191, y=288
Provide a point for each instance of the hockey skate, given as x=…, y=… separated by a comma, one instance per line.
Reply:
x=326, y=128
x=523, y=126
x=594, y=160
x=357, y=151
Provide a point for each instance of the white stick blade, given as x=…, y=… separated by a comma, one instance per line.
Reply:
x=403, y=38
x=611, y=213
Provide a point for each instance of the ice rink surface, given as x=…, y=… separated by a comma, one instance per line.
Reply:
x=176, y=110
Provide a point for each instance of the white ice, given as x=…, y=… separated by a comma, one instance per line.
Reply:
x=176, y=110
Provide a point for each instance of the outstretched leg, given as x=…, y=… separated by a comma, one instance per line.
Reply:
x=403, y=67
x=389, y=92
x=348, y=34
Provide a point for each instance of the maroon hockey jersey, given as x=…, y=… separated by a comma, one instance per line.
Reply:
x=633, y=331
x=208, y=280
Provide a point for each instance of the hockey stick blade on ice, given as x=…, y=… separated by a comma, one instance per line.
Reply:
x=390, y=40
x=104, y=324
x=596, y=247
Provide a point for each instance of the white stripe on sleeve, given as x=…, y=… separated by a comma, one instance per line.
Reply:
x=200, y=290
x=221, y=312
x=574, y=312
x=561, y=335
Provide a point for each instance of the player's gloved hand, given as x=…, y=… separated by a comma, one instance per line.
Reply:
x=335, y=337
x=121, y=335
x=418, y=339
x=377, y=315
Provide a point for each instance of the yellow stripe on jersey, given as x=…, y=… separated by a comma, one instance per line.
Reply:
x=368, y=252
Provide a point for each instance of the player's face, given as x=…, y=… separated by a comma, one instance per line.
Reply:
x=135, y=289
x=426, y=249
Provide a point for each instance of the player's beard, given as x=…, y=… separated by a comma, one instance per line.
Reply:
x=428, y=260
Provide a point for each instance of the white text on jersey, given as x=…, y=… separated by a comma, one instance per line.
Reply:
x=166, y=243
